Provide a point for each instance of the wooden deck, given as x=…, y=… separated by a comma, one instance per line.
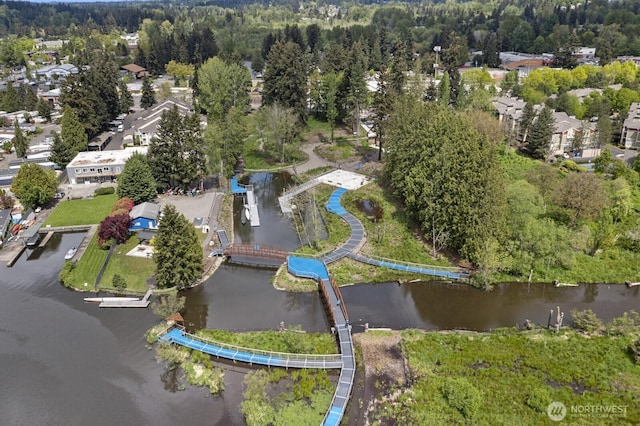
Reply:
x=126, y=302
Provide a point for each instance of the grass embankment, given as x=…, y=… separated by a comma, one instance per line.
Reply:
x=81, y=212
x=135, y=270
x=288, y=341
x=83, y=275
x=463, y=379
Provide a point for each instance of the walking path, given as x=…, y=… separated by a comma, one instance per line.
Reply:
x=252, y=356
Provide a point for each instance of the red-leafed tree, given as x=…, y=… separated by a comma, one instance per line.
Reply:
x=115, y=227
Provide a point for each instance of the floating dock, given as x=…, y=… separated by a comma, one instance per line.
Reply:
x=254, y=217
x=126, y=302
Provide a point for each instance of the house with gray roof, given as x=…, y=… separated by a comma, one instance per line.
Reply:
x=631, y=128
x=144, y=216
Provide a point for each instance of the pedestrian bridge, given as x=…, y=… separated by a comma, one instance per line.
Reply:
x=254, y=254
x=251, y=356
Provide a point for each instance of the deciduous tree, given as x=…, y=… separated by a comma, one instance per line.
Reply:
x=582, y=195
x=223, y=86
x=115, y=228
x=34, y=185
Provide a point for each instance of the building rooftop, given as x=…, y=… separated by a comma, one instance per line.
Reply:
x=87, y=158
x=146, y=210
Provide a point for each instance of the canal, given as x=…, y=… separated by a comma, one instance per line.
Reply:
x=64, y=361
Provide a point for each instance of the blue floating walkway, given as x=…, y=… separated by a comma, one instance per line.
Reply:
x=451, y=273
x=272, y=359
x=236, y=188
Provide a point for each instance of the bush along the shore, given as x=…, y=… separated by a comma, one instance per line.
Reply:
x=197, y=367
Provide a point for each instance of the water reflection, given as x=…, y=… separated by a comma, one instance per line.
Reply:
x=441, y=306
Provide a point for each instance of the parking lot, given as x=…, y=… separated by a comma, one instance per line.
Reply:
x=191, y=207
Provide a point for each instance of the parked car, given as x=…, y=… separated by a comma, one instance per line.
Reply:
x=59, y=195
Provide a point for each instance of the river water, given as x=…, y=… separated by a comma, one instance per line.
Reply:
x=67, y=362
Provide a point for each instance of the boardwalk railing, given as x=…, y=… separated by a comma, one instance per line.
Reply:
x=453, y=269
x=336, y=290
x=337, y=414
x=323, y=289
x=256, y=250
x=328, y=359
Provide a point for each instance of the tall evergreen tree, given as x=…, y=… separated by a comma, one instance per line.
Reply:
x=72, y=131
x=61, y=152
x=178, y=255
x=10, y=101
x=541, y=133
x=20, y=141
x=136, y=180
x=285, y=78
x=148, y=98
x=444, y=90
x=382, y=106
x=176, y=153
x=330, y=85
x=125, y=102
x=526, y=121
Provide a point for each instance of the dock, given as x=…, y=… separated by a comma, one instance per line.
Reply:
x=254, y=217
x=46, y=239
x=126, y=302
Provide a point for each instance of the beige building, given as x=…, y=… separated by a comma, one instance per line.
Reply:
x=631, y=128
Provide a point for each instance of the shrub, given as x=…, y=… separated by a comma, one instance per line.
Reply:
x=627, y=323
x=124, y=204
x=105, y=191
x=168, y=305
x=586, y=320
x=539, y=399
x=635, y=351
x=462, y=396
x=66, y=271
x=118, y=281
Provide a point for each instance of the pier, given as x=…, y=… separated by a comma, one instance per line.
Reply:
x=126, y=302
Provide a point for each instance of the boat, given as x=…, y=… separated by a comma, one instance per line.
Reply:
x=247, y=212
x=70, y=253
x=33, y=241
x=110, y=299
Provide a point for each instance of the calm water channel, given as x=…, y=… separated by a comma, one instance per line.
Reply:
x=63, y=361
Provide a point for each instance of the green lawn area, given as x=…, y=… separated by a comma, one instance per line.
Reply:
x=134, y=270
x=81, y=212
x=290, y=341
x=88, y=266
x=458, y=374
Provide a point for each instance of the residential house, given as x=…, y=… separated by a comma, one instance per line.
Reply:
x=135, y=70
x=99, y=166
x=631, y=128
x=54, y=72
x=144, y=216
x=145, y=127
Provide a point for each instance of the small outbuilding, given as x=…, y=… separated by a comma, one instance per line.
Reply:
x=144, y=216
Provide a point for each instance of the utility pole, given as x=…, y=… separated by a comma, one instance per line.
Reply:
x=437, y=64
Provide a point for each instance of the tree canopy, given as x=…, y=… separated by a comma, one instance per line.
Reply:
x=136, y=180
x=34, y=185
x=223, y=86
x=447, y=173
x=178, y=253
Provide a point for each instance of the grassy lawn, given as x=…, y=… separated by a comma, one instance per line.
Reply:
x=81, y=212
x=87, y=267
x=514, y=385
x=290, y=341
x=134, y=270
